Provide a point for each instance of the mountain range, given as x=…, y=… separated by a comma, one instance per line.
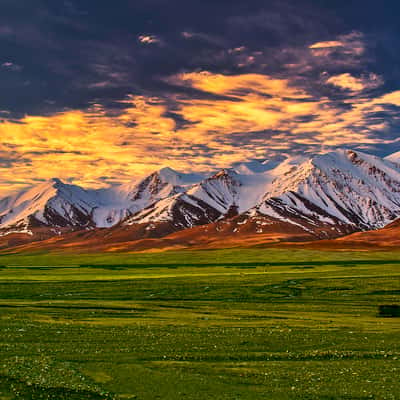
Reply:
x=292, y=199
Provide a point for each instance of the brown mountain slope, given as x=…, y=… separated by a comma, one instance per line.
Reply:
x=37, y=234
x=387, y=237
x=100, y=239
x=240, y=231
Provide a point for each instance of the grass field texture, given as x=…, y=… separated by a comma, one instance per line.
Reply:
x=228, y=324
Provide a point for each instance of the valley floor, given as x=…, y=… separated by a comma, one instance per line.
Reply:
x=229, y=324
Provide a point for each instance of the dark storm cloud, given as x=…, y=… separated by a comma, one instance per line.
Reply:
x=73, y=53
x=317, y=75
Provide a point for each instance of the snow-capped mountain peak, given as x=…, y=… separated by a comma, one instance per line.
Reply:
x=333, y=193
x=354, y=187
x=51, y=203
x=395, y=157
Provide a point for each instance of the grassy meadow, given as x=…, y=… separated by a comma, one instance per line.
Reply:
x=228, y=324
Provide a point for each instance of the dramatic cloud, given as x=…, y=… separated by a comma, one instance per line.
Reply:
x=245, y=117
x=149, y=39
x=349, y=82
x=350, y=44
x=103, y=94
x=326, y=45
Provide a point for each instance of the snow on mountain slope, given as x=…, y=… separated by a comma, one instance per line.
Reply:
x=118, y=203
x=223, y=195
x=220, y=191
x=159, y=185
x=395, y=157
x=51, y=203
x=329, y=195
x=200, y=204
x=55, y=204
x=181, y=210
x=347, y=186
x=228, y=189
x=254, y=166
x=242, y=187
x=216, y=196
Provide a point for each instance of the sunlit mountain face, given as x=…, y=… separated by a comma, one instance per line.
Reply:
x=102, y=94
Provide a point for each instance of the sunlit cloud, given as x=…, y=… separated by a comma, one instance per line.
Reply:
x=149, y=39
x=352, y=44
x=255, y=116
x=352, y=83
x=207, y=121
x=89, y=145
x=102, y=95
x=326, y=45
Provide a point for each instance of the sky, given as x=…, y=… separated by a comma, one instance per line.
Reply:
x=97, y=92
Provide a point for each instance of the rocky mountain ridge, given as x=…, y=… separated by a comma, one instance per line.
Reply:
x=329, y=195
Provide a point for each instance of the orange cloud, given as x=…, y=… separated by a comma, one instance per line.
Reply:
x=351, y=44
x=349, y=82
x=242, y=117
x=149, y=39
x=257, y=102
x=325, y=45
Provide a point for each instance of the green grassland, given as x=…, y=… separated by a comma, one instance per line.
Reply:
x=226, y=324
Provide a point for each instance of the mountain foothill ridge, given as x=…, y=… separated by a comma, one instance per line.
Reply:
x=294, y=199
